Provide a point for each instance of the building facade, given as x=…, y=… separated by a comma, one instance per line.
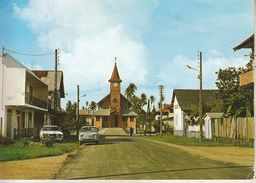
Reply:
x=48, y=78
x=114, y=110
x=23, y=100
x=185, y=102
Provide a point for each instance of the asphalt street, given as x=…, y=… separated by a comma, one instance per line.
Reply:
x=124, y=157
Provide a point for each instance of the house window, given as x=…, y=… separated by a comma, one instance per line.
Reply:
x=97, y=118
x=131, y=118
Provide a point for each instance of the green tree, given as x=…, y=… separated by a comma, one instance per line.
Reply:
x=138, y=102
x=70, y=115
x=93, y=107
x=237, y=102
x=152, y=99
x=130, y=91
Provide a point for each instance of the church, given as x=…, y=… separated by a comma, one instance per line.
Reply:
x=114, y=110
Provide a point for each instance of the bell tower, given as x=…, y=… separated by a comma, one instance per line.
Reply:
x=115, y=90
x=115, y=98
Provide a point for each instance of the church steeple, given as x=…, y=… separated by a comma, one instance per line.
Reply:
x=115, y=75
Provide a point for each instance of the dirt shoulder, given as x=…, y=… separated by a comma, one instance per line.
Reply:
x=239, y=155
x=39, y=168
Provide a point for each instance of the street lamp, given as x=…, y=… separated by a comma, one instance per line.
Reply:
x=200, y=93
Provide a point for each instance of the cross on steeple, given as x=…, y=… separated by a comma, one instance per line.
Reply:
x=115, y=75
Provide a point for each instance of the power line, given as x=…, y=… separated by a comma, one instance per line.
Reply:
x=29, y=54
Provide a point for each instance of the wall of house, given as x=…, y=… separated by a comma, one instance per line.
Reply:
x=2, y=112
x=98, y=124
x=208, y=130
x=14, y=86
x=131, y=123
x=39, y=91
x=178, y=118
x=14, y=121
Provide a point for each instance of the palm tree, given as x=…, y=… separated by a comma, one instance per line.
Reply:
x=130, y=91
x=86, y=103
x=143, y=98
x=152, y=99
x=93, y=107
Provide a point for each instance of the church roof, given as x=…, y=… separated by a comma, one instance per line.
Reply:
x=128, y=112
x=102, y=112
x=115, y=75
x=108, y=95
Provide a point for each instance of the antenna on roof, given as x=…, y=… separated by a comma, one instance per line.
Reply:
x=115, y=60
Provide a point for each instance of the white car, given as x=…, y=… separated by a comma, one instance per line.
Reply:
x=52, y=132
x=88, y=134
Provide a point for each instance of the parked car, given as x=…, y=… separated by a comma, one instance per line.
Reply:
x=51, y=131
x=88, y=134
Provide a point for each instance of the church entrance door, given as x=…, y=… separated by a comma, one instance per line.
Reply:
x=116, y=121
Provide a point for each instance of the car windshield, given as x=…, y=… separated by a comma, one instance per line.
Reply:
x=86, y=129
x=51, y=128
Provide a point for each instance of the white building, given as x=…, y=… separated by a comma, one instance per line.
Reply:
x=209, y=123
x=23, y=99
x=167, y=117
x=184, y=102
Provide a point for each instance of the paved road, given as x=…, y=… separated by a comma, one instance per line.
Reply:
x=136, y=158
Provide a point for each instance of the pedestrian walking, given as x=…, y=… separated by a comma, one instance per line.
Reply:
x=131, y=131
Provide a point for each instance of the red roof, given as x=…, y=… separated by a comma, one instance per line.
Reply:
x=115, y=75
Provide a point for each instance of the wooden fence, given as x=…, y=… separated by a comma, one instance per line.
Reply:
x=233, y=128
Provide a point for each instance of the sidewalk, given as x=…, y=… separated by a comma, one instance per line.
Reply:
x=113, y=132
x=39, y=168
x=239, y=155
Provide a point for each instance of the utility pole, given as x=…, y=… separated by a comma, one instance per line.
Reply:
x=55, y=87
x=77, y=108
x=161, y=88
x=200, y=97
x=148, y=117
x=254, y=65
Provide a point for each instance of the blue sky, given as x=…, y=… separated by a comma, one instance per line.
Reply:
x=153, y=40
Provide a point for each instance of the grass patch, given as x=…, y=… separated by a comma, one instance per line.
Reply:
x=192, y=141
x=34, y=150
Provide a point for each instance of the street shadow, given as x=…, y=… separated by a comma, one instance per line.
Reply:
x=161, y=171
x=108, y=140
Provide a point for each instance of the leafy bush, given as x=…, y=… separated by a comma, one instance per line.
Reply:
x=22, y=142
x=48, y=142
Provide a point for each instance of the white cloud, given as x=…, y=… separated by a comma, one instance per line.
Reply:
x=175, y=74
x=90, y=36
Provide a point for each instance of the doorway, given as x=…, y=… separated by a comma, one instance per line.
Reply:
x=9, y=123
x=116, y=121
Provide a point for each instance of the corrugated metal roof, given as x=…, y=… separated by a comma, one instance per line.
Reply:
x=188, y=98
x=48, y=77
x=102, y=112
x=128, y=112
x=86, y=112
x=248, y=43
x=214, y=115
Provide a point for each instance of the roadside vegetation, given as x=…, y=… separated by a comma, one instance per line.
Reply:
x=25, y=149
x=193, y=141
